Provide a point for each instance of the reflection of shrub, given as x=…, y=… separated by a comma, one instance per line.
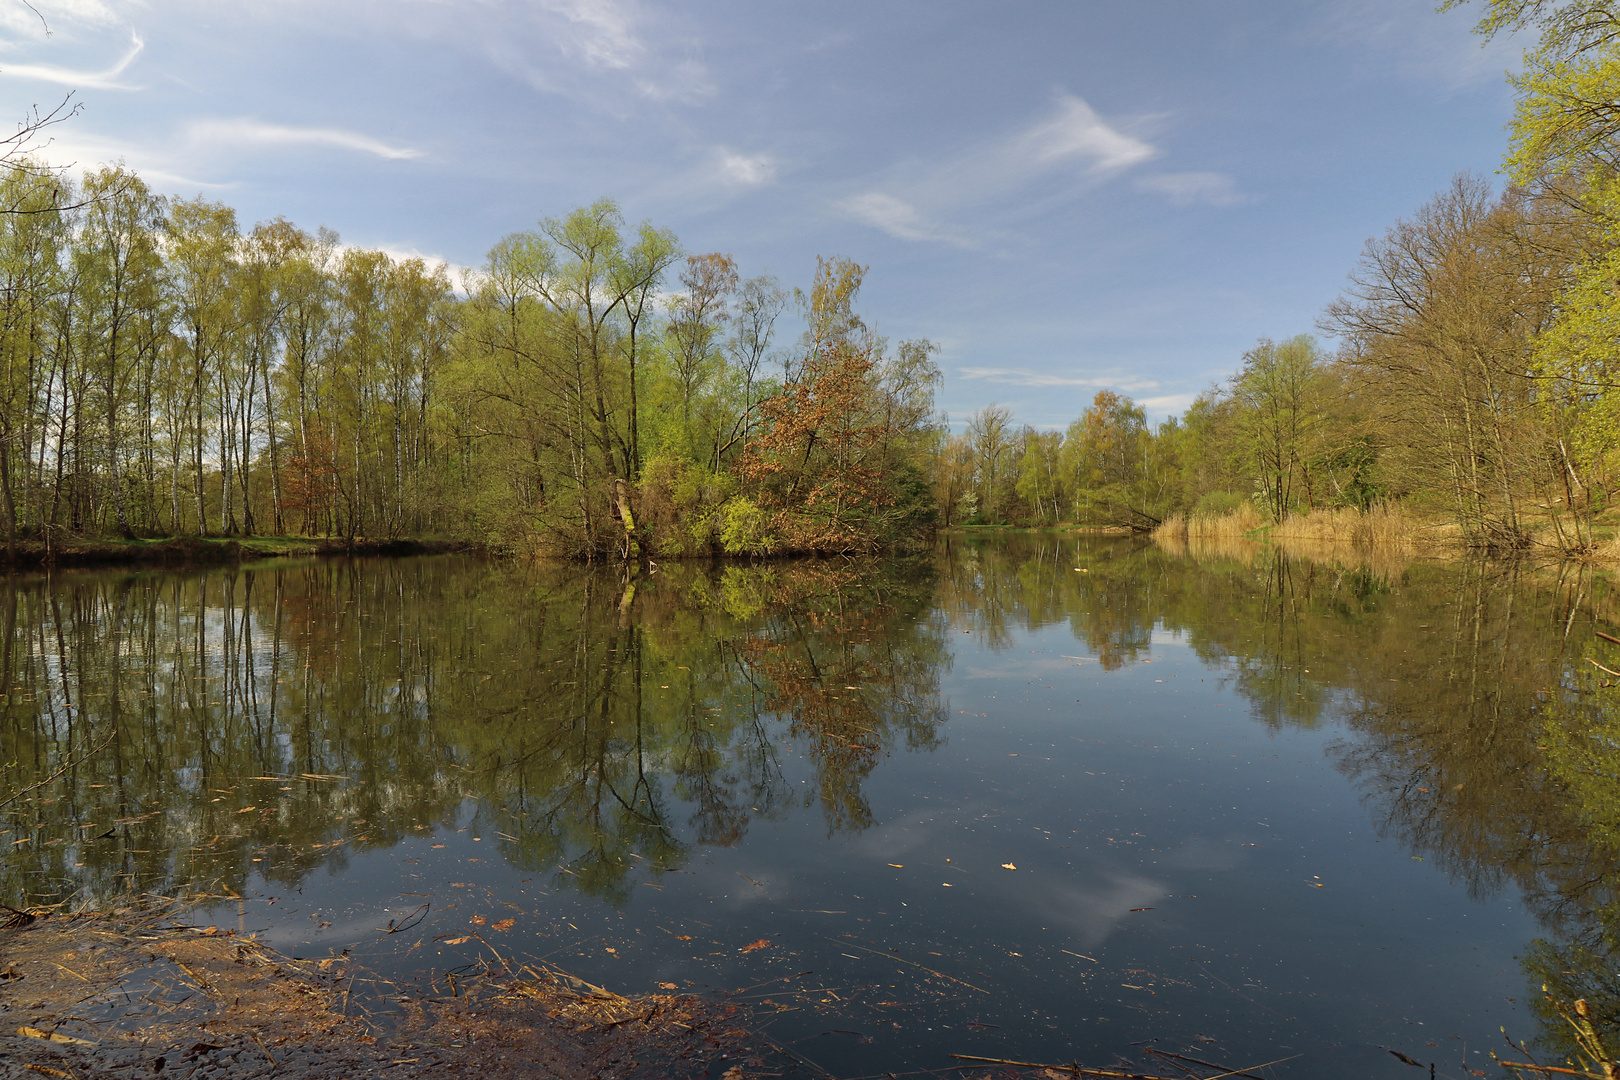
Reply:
x=743, y=528
x=745, y=591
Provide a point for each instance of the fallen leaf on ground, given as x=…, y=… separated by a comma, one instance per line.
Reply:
x=478, y=920
x=459, y=940
x=1008, y=866
x=897, y=866
x=760, y=944
x=668, y=986
x=506, y=924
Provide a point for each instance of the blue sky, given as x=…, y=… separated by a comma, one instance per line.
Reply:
x=1065, y=196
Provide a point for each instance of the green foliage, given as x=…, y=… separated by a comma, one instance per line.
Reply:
x=162, y=373
x=745, y=527
x=1218, y=503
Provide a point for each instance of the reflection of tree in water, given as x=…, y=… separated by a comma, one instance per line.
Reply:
x=850, y=670
x=1106, y=588
x=1480, y=737
x=595, y=723
x=1472, y=726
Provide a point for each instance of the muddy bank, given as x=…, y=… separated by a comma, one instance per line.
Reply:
x=194, y=551
x=133, y=993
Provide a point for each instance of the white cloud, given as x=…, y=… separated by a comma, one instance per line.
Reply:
x=1076, y=131
x=737, y=169
x=610, y=44
x=1017, y=377
x=458, y=273
x=1188, y=188
x=1072, y=137
x=894, y=216
x=72, y=147
x=181, y=162
x=89, y=80
x=602, y=33
x=1167, y=404
x=254, y=133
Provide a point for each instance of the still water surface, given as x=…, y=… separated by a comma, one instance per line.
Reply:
x=1040, y=798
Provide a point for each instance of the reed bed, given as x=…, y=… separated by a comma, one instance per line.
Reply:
x=1237, y=525
x=1382, y=526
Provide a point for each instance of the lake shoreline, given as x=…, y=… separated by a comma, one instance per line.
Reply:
x=167, y=994
x=214, y=551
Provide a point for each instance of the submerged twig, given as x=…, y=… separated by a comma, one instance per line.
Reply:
x=1198, y=1061
x=903, y=960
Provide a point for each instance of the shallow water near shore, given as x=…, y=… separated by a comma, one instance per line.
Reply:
x=1041, y=798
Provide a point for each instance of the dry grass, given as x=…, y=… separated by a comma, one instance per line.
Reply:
x=1607, y=551
x=1381, y=527
x=136, y=992
x=1236, y=525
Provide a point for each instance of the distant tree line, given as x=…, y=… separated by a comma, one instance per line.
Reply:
x=1478, y=374
x=593, y=390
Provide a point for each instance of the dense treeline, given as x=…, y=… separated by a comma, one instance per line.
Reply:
x=591, y=390
x=1477, y=379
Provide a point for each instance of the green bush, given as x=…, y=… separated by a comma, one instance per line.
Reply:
x=743, y=528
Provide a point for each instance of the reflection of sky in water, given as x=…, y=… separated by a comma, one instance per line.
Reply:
x=990, y=830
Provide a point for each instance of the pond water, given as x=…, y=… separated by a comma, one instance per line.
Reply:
x=1037, y=797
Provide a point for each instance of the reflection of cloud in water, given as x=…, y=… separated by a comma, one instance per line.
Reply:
x=1089, y=910
x=1087, y=901
x=900, y=836
x=746, y=894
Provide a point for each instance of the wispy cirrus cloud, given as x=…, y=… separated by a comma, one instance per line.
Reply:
x=896, y=217
x=1075, y=133
x=1193, y=188
x=87, y=80
x=1020, y=377
x=609, y=46
x=247, y=132
x=1073, y=138
x=203, y=153
x=602, y=32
